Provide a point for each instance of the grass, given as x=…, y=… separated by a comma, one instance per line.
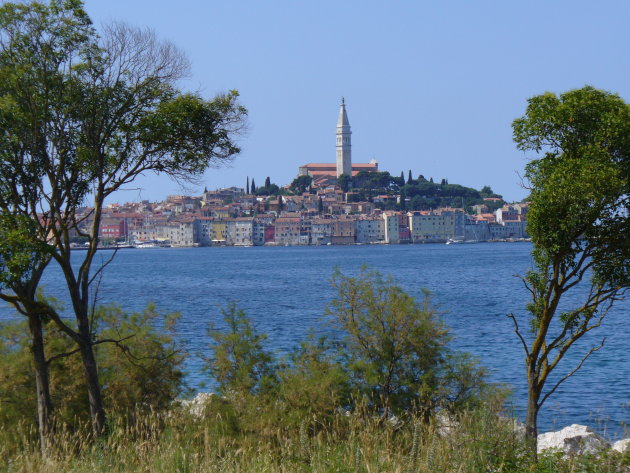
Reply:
x=224, y=441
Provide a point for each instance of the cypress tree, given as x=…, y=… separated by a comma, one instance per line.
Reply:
x=267, y=182
x=253, y=187
x=247, y=186
x=402, y=178
x=410, y=178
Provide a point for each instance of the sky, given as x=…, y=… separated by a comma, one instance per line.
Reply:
x=431, y=87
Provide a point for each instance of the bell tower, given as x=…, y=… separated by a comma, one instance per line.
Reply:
x=344, y=147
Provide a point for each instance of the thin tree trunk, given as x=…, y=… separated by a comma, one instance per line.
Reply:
x=531, y=419
x=97, y=411
x=42, y=382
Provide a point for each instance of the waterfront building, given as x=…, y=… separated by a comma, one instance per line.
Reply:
x=202, y=231
x=178, y=233
x=287, y=231
x=392, y=222
x=219, y=232
x=476, y=230
x=433, y=226
x=343, y=231
x=239, y=231
x=370, y=229
x=320, y=231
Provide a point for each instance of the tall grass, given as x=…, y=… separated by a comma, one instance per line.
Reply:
x=224, y=440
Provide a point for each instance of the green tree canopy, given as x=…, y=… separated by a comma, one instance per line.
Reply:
x=395, y=348
x=301, y=184
x=578, y=221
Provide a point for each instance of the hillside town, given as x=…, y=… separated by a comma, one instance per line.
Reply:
x=325, y=210
x=231, y=217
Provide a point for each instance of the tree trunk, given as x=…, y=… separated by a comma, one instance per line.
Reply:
x=97, y=411
x=531, y=419
x=42, y=384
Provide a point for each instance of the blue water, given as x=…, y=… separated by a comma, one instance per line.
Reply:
x=285, y=291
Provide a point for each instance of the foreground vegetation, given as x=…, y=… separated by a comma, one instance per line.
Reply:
x=389, y=396
x=230, y=438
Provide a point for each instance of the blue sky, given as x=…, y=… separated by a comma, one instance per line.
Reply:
x=429, y=86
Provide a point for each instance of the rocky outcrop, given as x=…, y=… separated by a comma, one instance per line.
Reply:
x=573, y=440
x=622, y=446
x=197, y=405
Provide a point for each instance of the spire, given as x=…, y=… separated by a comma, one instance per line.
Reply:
x=343, y=116
x=344, y=159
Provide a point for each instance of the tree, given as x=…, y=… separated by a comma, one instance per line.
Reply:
x=402, y=178
x=344, y=182
x=247, y=186
x=267, y=182
x=106, y=110
x=409, y=178
x=35, y=44
x=403, y=200
x=253, y=187
x=320, y=204
x=579, y=224
x=396, y=348
x=239, y=362
x=301, y=184
x=143, y=372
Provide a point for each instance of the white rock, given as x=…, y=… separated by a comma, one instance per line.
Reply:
x=197, y=405
x=445, y=424
x=622, y=446
x=573, y=440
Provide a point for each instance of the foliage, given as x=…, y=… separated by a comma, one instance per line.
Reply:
x=21, y=253
x=579, y=224
x=395, y=349
x=344, y=182
x=140, y=371
x=301, y=184
x=84, y=114
x=480, y=441
x=312, y=383
x=239, y=363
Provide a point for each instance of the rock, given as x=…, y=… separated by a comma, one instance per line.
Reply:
x=573, y=440
x=622, y=446
x=197, y=405
x=445, y=424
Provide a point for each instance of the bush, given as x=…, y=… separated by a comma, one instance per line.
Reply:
x=396, y=349
x=140, y=371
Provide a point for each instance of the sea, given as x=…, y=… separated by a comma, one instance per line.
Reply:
x=285, y=291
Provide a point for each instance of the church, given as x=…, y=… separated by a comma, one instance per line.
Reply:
x=325, y=174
